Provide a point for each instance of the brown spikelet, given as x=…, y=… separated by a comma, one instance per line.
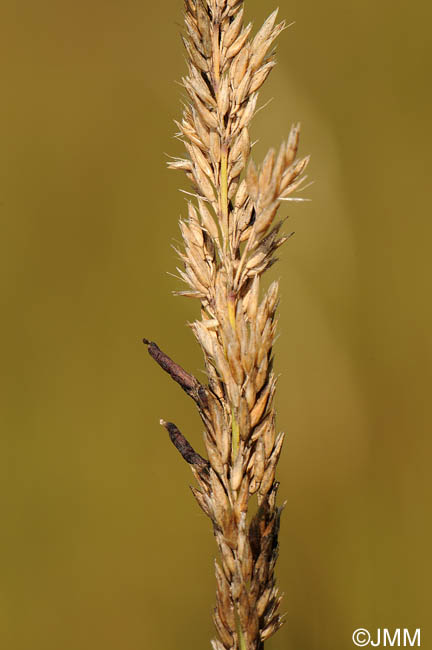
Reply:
x=230, y=239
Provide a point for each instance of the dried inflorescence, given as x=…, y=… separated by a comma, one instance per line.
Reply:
x=230, y=239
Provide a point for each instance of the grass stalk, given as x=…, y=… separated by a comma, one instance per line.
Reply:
x=237, y=204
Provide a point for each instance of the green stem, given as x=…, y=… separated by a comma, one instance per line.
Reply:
x=242, y=640
x=224, y=191
x=240, y=635
x=235, y=434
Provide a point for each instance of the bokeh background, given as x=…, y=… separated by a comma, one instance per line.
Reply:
x=102, y=544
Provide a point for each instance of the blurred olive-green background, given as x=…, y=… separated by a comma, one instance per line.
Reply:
x=102, y=545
